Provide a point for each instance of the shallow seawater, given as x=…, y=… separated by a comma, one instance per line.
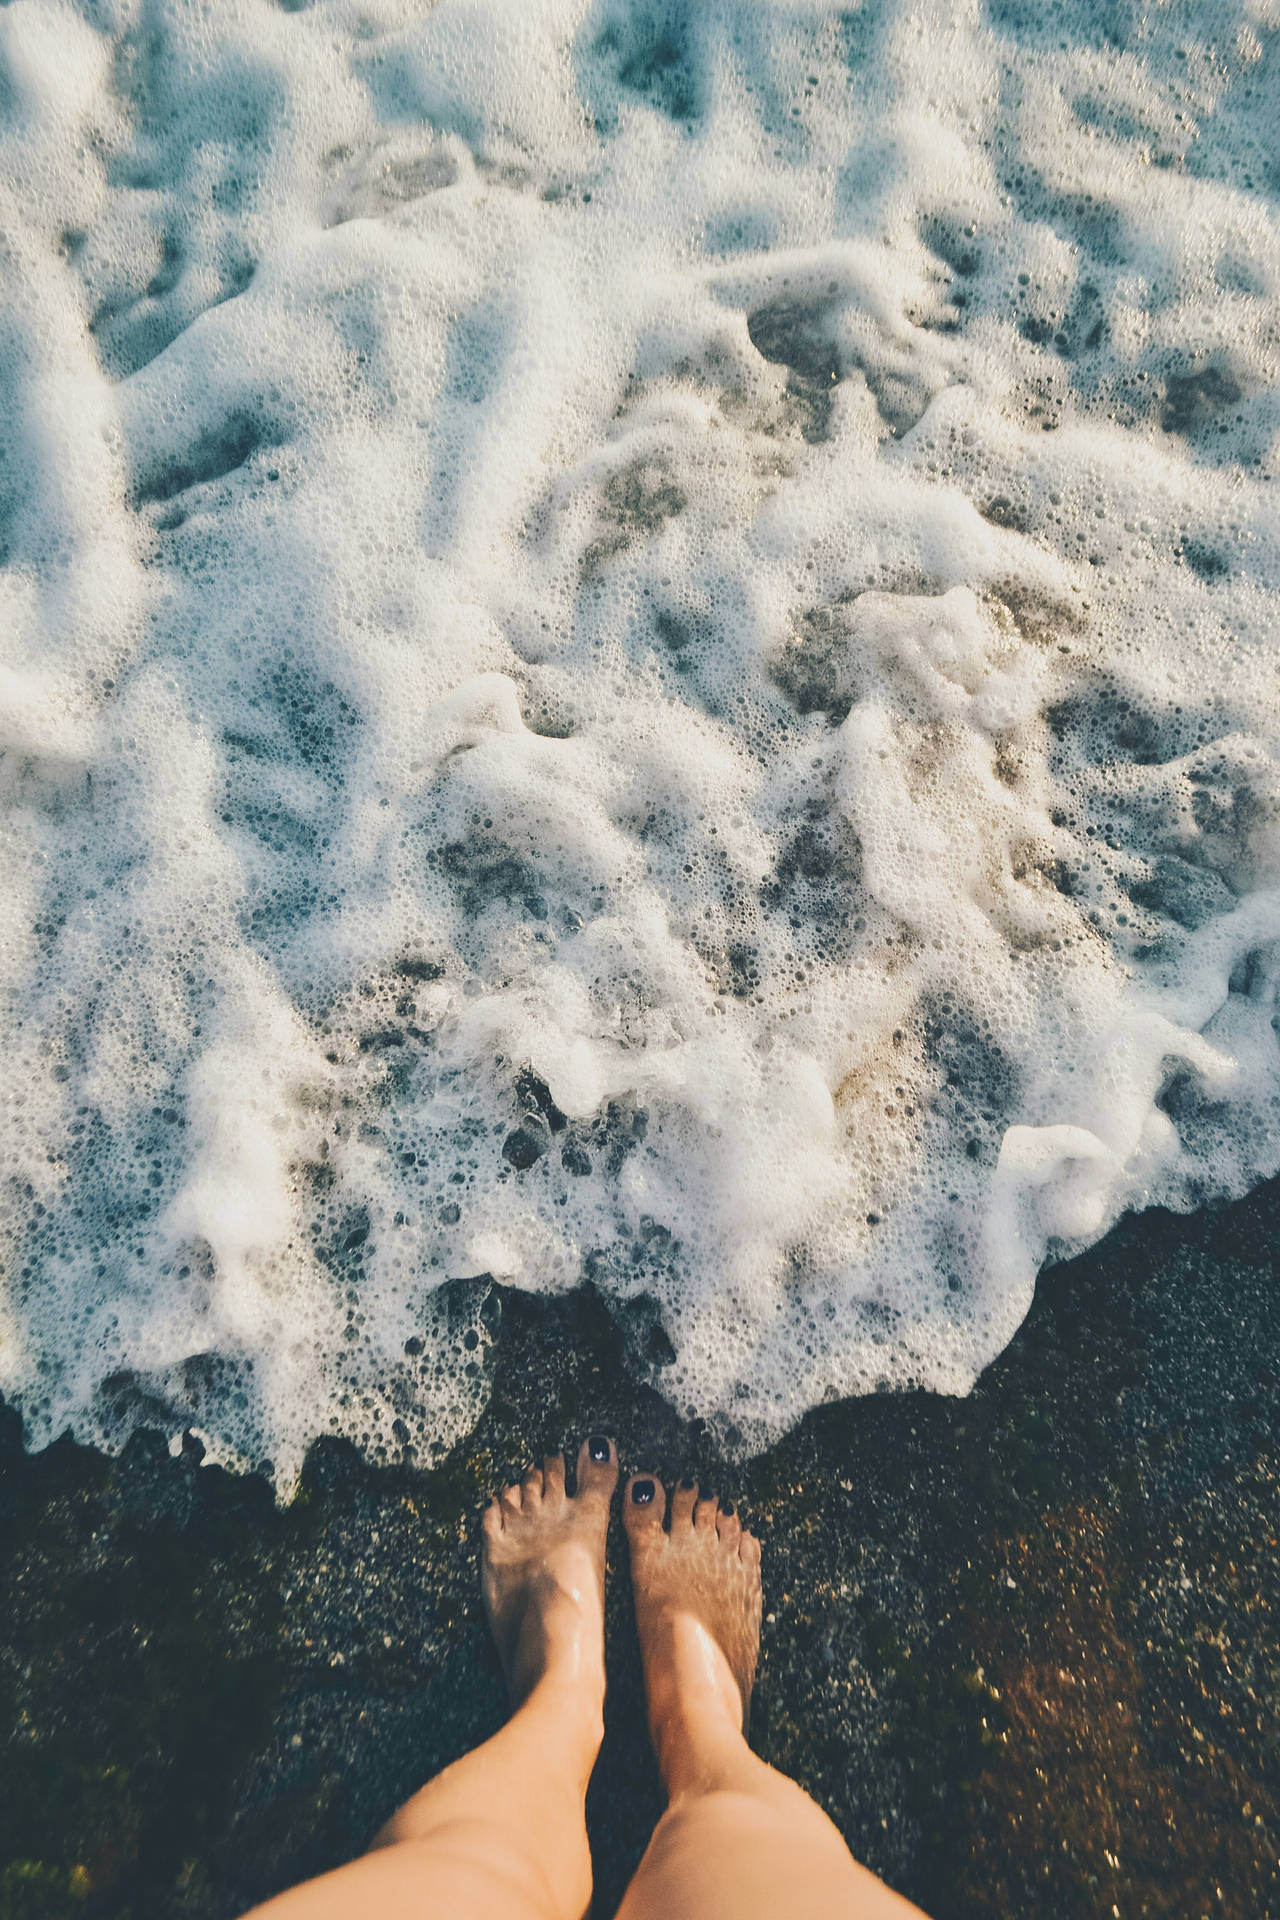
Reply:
x=639, y=645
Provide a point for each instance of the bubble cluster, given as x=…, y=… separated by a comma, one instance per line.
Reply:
x=638, y=648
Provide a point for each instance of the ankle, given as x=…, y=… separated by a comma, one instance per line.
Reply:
x=574, y=1706
x=566, y=1734
x=700, y=1746
x=695, y=1707
x=690, y=1681
x=554, y=1648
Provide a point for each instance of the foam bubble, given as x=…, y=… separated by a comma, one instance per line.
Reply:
x=638, y=644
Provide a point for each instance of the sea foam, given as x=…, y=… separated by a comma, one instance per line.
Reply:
x=639, y=645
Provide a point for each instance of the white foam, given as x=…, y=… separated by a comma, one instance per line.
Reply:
x=637, y=642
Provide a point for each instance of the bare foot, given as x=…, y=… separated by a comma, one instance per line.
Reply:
x=697, y=1594
x=542, y=1574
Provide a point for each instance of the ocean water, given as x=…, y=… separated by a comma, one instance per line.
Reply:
x=639, y=645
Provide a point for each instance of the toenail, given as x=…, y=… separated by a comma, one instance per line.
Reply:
x=688, y=1483
x=642, y=1492
x=598, y=1448
x=728, y=1509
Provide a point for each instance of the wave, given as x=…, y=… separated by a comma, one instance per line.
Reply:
x=639, y=648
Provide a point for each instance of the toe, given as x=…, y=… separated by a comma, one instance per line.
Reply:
x=491, y=1520
x=597, y=1469
x=553, y=1476
x=683, y=1501
x=749, y=1550
x=729, y=1527
x=704, y=1515
x=511, y=1499
x=644, y=1505
x=532, y=1486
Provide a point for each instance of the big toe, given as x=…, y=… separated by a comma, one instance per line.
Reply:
x=644, y=1506
x=597, y=1470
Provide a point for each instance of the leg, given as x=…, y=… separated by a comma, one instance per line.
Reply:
x=501, y=1834
x=738, y=1841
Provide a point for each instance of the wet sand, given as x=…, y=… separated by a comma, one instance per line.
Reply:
x=1023, y=1647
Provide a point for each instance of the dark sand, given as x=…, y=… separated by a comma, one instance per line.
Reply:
x=1023, y=1647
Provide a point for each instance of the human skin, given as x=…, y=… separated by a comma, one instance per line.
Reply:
x=501, y=1834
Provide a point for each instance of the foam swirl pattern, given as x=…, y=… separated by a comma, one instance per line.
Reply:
x=638, y=643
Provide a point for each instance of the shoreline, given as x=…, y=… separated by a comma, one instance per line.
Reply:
x=1021, y=1646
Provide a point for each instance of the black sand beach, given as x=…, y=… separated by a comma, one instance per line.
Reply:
x=1023, y=1647
x=638, y=643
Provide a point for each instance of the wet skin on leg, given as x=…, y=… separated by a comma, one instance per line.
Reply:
x=738, y=1840
x=501, y=1834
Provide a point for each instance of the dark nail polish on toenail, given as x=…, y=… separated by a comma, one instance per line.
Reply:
x=728, y=1509
x=598, y=1448
x=642, y=1493
x=688, y=1483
